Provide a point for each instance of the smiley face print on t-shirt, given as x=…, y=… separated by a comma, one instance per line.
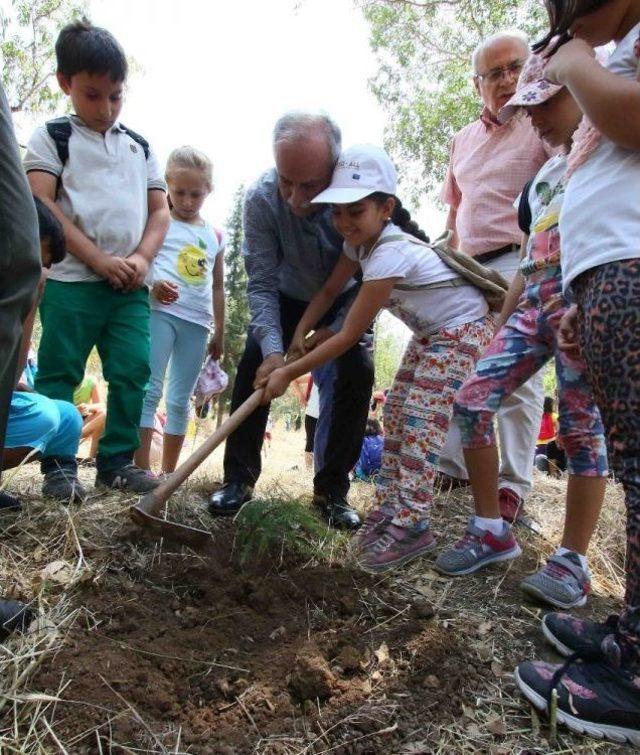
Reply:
x=192, y=263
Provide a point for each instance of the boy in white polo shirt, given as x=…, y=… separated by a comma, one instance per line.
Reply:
x=103, y=183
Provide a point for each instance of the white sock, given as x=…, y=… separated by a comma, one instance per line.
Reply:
x=562, y=551
x=495, y=526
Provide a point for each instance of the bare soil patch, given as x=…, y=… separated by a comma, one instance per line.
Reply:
x=149, y=646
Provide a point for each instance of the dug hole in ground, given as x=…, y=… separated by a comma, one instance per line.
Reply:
x=270, y=640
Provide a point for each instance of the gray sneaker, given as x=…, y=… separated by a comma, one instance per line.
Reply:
x=562, y=583
x=63, y=485
x=128, y=477
x=477, y=549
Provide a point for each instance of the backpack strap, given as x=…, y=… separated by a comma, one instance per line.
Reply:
x=59, y=129
x=468, y=271
x=138, y=139
x=452, y=282
x=524, y=209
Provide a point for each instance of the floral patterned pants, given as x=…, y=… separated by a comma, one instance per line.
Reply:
x=417, y=414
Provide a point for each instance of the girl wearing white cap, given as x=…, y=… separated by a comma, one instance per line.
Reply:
x=451, y=327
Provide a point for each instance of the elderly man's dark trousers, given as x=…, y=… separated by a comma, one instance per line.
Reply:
x=350, y=389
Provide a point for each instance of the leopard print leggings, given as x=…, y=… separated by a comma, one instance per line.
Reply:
x=608, y=299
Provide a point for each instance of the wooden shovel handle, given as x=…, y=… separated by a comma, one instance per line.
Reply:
x=153, y=502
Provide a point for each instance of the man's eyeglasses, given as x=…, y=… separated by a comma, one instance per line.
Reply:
x=495, y=74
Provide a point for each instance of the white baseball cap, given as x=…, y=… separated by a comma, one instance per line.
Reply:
x=361, y=170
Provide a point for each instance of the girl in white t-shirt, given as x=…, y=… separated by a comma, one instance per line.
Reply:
x=600, y=231
x=187, y=290
x=451, y=327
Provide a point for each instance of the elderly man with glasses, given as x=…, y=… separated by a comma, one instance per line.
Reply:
x=490, y=164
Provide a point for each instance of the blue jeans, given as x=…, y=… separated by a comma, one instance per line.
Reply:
x=46, y=425
x=185, y=343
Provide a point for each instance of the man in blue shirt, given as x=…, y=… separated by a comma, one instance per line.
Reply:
x=290, y=249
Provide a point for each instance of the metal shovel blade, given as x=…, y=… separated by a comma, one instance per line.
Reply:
x=171, y=530
x=145, y=512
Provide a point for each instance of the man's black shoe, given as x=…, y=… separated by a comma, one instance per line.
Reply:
x=337, y=511
x=14, y=617
x=228, y=500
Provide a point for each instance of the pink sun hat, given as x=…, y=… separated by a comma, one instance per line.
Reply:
x=532, y=88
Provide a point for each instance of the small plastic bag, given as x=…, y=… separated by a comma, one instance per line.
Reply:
x=212, y=380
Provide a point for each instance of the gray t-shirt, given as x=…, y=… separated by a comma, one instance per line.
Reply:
x=283, y=254
x=103, y=190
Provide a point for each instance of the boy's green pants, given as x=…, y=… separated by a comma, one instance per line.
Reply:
x=75, y=318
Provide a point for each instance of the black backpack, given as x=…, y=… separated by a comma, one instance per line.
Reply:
x=59, y=130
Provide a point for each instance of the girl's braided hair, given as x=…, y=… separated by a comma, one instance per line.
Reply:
x=401, y=216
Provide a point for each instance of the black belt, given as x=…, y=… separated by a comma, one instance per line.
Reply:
x=495, y=253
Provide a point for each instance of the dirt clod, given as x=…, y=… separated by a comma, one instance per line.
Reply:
x=423, y=610
x=349, y=658
x=311, y=678
x=431, y=682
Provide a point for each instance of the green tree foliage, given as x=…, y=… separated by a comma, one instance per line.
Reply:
x=387, y=352
x=549, y=382
x=237, y=307
x=424, y=79
x=28, y=31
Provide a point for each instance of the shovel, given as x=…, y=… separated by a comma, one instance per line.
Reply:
x=145, y=512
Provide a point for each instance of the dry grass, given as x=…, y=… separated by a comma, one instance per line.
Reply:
x=82, y=544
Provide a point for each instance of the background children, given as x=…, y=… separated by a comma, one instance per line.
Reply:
x=600, y=226
x=104, y=185
x=370, y=459
x=187, y=291
x=550, y=457
x=525, y=343
x=89, y=403
x=449, y=333
x=312, y=410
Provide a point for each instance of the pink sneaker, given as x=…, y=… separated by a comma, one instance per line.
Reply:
x=372, y=527
x=511, y=504
x=476, y=549
x=395, y=546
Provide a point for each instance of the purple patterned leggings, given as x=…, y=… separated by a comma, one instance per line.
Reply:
x=521, y=347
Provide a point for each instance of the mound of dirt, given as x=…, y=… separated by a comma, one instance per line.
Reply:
x=207, y=648
x=178, y=651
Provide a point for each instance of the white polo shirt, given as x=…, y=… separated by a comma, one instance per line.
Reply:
x=103, y=189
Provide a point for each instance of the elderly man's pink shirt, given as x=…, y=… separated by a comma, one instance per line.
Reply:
x=490, y=164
